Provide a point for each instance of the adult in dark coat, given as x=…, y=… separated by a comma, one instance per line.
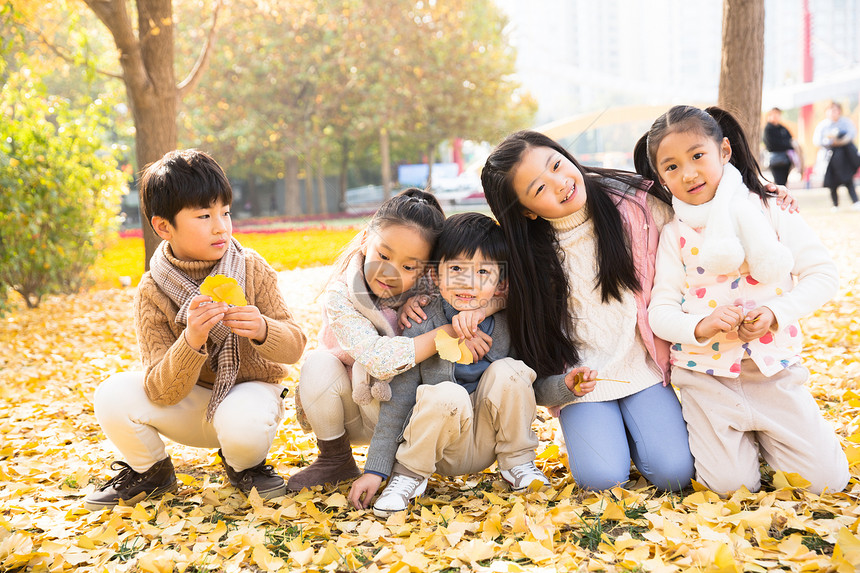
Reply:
x=835, y=135
x=778, y=142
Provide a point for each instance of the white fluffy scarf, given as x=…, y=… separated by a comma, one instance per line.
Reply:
x=734, y=231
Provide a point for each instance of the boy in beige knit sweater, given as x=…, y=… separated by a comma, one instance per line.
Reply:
x=211, y=370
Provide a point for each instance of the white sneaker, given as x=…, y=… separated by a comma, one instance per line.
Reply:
x=855, y=206
x=524, y=475
x=401, y=489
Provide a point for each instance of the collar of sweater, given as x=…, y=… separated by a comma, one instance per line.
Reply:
x=196, y=270
x=570, y=222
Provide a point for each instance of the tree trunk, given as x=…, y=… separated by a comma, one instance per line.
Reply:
x=146, y=58
x=150, y=83
x=344, y=165
x=742, y=68
x=253, y=195
x=385, y=152
x=309, y=189
x=321, y=190
x=292, y=203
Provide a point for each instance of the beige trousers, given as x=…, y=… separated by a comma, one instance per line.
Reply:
x=454, y=433
x=326, y=390
x=244, y=426
x=732, y=420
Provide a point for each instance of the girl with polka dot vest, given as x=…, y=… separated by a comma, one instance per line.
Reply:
x=733, y=276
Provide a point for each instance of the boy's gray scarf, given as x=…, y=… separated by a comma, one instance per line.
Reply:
x=222, y=345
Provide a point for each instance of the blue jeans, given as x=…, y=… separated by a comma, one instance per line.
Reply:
x=601, y=438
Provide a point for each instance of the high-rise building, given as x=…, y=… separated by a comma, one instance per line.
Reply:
x=581, y=56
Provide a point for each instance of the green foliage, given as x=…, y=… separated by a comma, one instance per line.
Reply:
x=59, y=189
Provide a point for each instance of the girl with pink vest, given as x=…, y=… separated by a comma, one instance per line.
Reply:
x=733, y=276
x=582, y=243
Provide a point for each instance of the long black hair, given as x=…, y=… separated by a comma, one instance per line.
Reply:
x=713, y=122
x=541, y=326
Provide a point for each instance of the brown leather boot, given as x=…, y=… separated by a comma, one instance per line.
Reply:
x=333, y=464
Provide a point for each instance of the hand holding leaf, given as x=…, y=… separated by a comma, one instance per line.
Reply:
x=223, y=289
x=452, y=349
x=582, y=380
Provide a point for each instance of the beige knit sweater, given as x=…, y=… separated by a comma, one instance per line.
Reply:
x=173, y=367
x=607, y=331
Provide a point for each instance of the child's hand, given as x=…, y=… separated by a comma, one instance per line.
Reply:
x=412, y=309
x=479, y=345
x=756, y=324
x=783, y=198
x=581, y=380
x=203, y=314
x=723, y=319
x=363, y=489
x=246, y=321
x=466, y=322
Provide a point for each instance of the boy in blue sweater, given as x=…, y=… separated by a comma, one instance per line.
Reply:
x=455, y=418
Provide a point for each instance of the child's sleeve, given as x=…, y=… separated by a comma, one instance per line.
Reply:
x=171, y=366
x=817, y=275
x=552, y=391
x=665, y=313
x=393, y=416
x=285, y=340
x=382, y=356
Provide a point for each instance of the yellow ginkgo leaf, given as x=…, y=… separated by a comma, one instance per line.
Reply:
x=579, y=378
x=447, y=347
x=223, y=289
x=465, y=354
x=451, y=349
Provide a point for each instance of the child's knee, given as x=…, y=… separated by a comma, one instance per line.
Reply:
x=727, y=480
x=516, y=372
x=116, y=394
x=600, y=477
x=508, y=380
x=827, y=476
x=447, y=397
x=322, y=373
x=248, y=411
x=673, y=473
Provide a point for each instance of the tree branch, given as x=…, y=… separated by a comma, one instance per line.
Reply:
x=114, y=16
x=66, y=57
x=193, y=77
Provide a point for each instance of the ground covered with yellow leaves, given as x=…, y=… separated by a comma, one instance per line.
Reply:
x=52, y=454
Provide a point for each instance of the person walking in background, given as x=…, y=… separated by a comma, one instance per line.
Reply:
x=835, y=136
x=780, y=146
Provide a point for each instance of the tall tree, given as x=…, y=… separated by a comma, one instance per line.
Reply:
x=146, y=56
x=742, y=67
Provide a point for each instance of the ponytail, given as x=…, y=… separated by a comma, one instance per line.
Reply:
x=713, y=122
x=742, y=156
x=411, y=207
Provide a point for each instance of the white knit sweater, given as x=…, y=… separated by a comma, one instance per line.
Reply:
x=609, y=341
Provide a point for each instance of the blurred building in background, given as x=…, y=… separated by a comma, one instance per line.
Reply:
x=580, y=56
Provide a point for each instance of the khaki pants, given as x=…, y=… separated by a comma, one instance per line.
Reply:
x=244, y=425
x=731, y=420
x=326, y=390
x=454, y=433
